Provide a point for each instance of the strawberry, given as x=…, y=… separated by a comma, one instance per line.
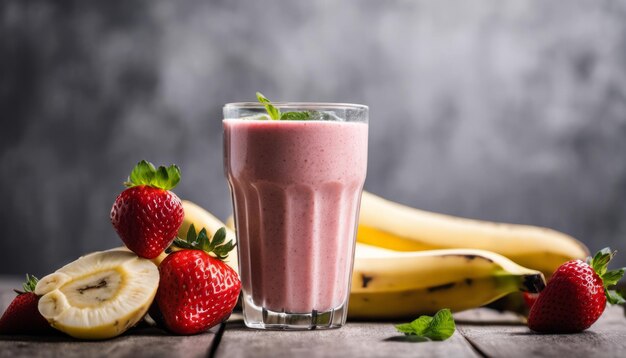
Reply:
x=576, y=295
x=197, y=290
x=147, y=215
x=530, y=299
x=22, y=316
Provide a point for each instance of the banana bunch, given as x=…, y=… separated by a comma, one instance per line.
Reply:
x=389, y=284
x=394, y=226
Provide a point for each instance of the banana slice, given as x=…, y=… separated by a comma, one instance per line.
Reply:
x=100, y=295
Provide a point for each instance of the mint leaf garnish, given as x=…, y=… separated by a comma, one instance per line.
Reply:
x=275, y=113
x=295, y=116
x=144, y=173
x=437, y=328
x=271, y=110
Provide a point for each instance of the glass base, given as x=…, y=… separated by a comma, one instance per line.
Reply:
x=260, y=318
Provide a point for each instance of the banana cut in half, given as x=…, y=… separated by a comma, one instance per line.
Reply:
x=100, y=295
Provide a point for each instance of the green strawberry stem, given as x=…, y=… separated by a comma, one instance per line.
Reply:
x=144, y=173
x=201, y=241
x=29, y=285
x=609, y=278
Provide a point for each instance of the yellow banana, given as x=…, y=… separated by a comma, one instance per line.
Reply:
x=394, y=226
x=392, y=285
x=201, y=218
x=389, y=284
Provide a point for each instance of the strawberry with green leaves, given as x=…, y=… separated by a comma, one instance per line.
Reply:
x=576, y=295
x=22, y=316
x=147, y=215
x=197, y=289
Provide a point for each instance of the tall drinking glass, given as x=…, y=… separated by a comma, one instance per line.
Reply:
x=296, y=189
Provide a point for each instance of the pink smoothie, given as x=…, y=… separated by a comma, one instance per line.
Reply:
x=296, y=189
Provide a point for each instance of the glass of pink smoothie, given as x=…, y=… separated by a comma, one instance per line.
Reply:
x=296, y=188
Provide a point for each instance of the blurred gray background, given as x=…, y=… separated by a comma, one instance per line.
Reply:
x=511, y=111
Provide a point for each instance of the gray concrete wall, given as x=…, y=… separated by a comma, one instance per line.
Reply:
x=503, y=110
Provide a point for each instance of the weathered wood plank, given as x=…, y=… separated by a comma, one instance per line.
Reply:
x=606, y=338
x=353, y=340
x=137, y=342
x=147, y=342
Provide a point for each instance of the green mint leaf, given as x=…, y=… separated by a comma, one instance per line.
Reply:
x=295, y=116
x=438, y=328
x=271, y=110
x=420, y=325
x=405, y=328
x=614, y=297
x=441, y=327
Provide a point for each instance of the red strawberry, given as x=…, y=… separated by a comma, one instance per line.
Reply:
x=576, y=295
x=22, y=316
x=147, y=215
x=197, y=290
x=530, y=299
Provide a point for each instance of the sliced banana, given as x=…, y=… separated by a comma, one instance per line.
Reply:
x=100, y=295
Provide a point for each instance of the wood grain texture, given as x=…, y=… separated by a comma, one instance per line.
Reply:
x=606, y=338
x=353, y=340
x=146, y=342
x=137, y=342
x=481, y=332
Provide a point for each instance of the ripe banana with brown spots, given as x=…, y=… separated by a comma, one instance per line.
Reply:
x=398, y=227
x=389, y=284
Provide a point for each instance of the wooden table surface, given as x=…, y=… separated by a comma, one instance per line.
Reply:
x=480, y=333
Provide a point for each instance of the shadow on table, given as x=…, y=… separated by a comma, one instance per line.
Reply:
x=407, y=339
x=585, y=334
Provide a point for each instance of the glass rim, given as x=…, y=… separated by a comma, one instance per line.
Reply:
x=297, y=105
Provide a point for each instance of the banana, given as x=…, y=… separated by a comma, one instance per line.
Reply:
x=201, y=218
x=394, y=226
x=156, y=260
x=100, y=295
x=230, y=222
x=388, y=284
